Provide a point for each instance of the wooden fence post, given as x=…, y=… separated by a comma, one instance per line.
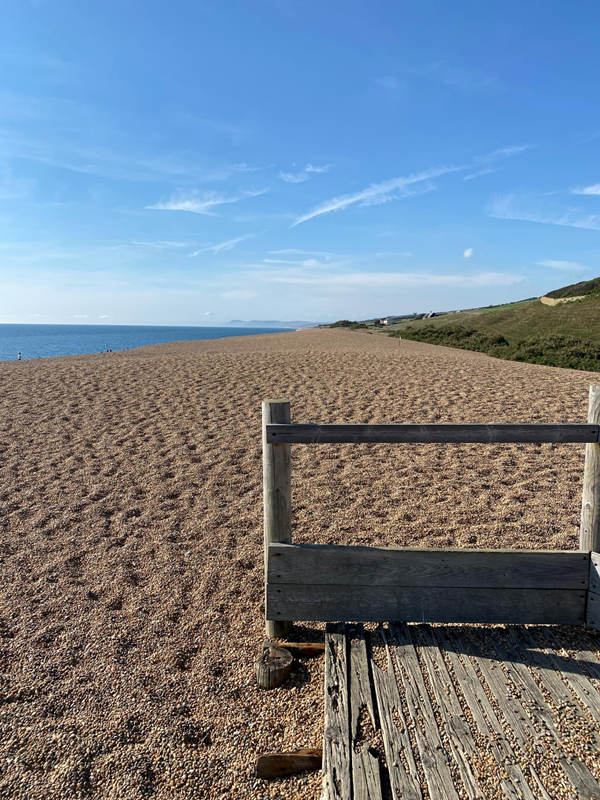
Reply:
x=589, y=534
x=277, y=494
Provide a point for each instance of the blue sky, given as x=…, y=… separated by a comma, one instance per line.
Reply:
x=196, y=162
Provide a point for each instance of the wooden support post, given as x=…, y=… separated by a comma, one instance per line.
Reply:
x=277, y=493
x=589, y=535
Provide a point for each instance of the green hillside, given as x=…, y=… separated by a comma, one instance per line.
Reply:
x=564, y=335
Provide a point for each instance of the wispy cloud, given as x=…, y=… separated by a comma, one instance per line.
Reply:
x=162, y=245
x=595, y=190
x=503, y=152
x=468, y=253
x=222, y=246
x=480, y=173
x=397, y=279
x=202, y=203
x=377, y=193
x=303, y=175
x=294, y=251
x=574, y=266
x=243, y=167
x=311, y=263
x=511, y=207
x=499, y=154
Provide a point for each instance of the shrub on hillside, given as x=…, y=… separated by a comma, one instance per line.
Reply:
x=553, y=350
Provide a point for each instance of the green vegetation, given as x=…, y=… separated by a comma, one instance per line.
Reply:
x=564, y=335
x=346, y=323
x=552, y=350
x=578, y=289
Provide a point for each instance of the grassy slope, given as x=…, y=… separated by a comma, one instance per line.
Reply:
x=525, y=320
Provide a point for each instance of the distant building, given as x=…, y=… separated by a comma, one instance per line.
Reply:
x=390, y=320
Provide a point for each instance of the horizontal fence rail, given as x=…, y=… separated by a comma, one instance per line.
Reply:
x=420, y=434
x=332, y=583
x=440, y=567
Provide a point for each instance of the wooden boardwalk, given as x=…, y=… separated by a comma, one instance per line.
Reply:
x=447, y=712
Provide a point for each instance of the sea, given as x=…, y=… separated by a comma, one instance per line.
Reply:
x=48, y=341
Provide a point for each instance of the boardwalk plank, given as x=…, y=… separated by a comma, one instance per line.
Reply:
x=366, y=782
x=434, y=757
x=575, y=770
x=516, y=787
x=404, y=777
x=337, y=751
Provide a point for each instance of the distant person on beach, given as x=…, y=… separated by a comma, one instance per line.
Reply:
x=19, y=357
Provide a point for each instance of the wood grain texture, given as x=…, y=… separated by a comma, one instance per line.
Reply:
x=593, y=611
x=434, y=756
x=516, y=785
x=492, y=433
x=337, y=750
x=403, y=773
x=302, y=649
x=420, y=604
x=397, y=566
x=366, y=784
x=589, y=534
x=277, y=494
x=281, y=765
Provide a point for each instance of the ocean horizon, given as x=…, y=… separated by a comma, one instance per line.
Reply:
x=51, y=341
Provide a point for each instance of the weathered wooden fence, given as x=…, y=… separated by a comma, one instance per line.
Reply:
x=379, y=584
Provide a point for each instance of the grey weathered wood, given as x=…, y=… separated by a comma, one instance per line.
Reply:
x=277, y=495
x=527, y=650
x=594, y=572
x=273, y=667
x=517, y=786
x=398, y=566
x=337, y=750
x=456, y=728
x=366, y=783
x=420, y=604
x=402, y=768
x=592, y=617
x=492, y=433
x=574, y=676
x=589, y=534
x=434, y=757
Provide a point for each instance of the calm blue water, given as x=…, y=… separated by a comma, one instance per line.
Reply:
x=45, y=341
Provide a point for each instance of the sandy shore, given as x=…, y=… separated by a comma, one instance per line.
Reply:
x=131, y=541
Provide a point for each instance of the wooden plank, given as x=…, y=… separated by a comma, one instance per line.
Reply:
x=280, y=765
x=277, y=495
x=486, y=720
x=589, y=533
x=421, y=604
x=402, y=768
x=594, y=572
x=458, y=733
x=444, y=567
x=592, y=617
x=492, y=433
x=337, y=750
x=301, y=649
x=457, y=728
x=573, y=675
x=527, y=650
x=434, y=757
x=366, y=783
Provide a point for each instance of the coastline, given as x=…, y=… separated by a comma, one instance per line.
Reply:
x=133, y=567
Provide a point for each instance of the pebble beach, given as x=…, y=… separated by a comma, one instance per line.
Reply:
x=131, y=559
